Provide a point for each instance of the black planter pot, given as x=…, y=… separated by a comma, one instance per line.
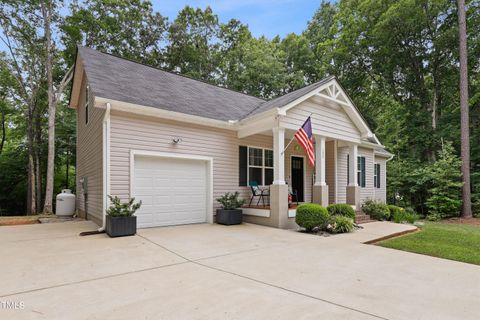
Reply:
x=121, y=226
x=229, y=217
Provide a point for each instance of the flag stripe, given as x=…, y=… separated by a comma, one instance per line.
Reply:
x=304, y=137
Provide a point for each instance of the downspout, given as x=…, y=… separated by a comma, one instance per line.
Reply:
x=106, y=164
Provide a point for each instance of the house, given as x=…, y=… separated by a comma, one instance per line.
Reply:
x=177, y=144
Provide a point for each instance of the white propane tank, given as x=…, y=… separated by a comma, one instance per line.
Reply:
x=65, y=203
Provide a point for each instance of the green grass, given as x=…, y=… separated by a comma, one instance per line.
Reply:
x=449, y=241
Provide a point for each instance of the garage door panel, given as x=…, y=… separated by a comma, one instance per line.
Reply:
x=173, y=191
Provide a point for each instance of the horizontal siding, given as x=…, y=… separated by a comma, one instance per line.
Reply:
x=330, y=169
x=328, y=121
x=342, y=177
x=381, y=193
x=89, y=157
x=367, y=192
x=133, y=132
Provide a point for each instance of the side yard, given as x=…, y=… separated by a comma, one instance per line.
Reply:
x=459, y=242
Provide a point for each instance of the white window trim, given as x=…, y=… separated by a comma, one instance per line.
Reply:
x=87, y=105
x=263, y=167
x=376, y=175
x=359, y=171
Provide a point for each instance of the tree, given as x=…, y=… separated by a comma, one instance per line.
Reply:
x=192, y=43
x=20, y=24
x=128, y=28
x=464, y=111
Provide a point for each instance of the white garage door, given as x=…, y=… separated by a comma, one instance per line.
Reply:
x=173, y=191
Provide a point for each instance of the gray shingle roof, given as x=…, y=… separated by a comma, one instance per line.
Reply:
x=116, y=78
x=289, y=97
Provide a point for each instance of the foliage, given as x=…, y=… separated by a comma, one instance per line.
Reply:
x=457, y=242
x=231, y=201
x=341, y=209
x=400, y=215
x=340, y=224
x=311, y=215
x=434, y=217
x=376, y=209
x=119, y=209
x=445, y=195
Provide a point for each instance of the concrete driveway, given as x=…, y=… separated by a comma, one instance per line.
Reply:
x=217, y=272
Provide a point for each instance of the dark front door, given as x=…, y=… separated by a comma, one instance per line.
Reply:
x=297, y=178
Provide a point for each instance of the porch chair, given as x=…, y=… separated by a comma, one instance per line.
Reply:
x=258, y=192
x=293, y=193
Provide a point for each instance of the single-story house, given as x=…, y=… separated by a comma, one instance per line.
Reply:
x=177, y=144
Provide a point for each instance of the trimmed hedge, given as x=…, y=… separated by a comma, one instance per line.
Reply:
x=376, y=209
x=311, y=215
x=340, y=224
x=341, y=209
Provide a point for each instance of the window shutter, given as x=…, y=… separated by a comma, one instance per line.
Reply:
x=378, y=175
x=348, y=169
x=242, y=165
x=363, y=172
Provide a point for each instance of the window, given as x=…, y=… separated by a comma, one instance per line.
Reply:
x=87, y=100
x=258, y=166
x=376, y=175
x=361, y=177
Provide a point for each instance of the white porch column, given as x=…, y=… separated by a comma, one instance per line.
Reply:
x=320, y=161
x=320, y=188
x=278, y=155
x=352, y=158
x=353, y=190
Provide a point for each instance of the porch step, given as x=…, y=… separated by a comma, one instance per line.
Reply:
x=361, y=217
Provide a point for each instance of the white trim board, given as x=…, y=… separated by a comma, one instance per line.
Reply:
x=209, y=160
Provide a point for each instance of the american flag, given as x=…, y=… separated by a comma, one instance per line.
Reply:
x=305, y=138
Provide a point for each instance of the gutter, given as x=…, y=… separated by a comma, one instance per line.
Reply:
x=106, y=164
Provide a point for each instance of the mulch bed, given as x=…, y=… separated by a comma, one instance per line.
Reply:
x=470, y=221
x=14, y=221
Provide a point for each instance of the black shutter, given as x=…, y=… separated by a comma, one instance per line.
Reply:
x=378, y=175
x=363, y=172
x=348, y=169
x=242, y=165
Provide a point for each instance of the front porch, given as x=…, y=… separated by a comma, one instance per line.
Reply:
x=338, y=131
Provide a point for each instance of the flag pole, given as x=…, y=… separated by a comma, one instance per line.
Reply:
x=291, y=140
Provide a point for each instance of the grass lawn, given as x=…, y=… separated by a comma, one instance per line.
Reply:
x=458, y=242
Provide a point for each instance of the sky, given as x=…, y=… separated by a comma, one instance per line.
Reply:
x=264, y=17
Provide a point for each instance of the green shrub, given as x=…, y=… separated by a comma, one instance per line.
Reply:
x=119, y=209
x=230, y=201
x=400, y=215
x=376, y=209
x=434, y=217
x=395, y=210
x=341, y=209
x=311, y=215
x=340, y=224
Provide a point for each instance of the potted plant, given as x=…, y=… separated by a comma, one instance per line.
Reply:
x=229, y=213
x=120, y=220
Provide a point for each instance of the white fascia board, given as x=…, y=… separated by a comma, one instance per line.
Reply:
x=77, y=83
x=256, y=126
x=164, y=114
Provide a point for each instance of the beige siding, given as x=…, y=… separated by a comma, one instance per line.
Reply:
x=367, y=192
x=89, y=158
x=330, y=170
x=133, y=132
x=342, y=177
x=328, y=121
x=381, y=193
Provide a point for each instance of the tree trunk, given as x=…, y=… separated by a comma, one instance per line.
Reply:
x=47, y=16
x=464, y=116
x=4, y=133
x=38, y=172
x=31, y=192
